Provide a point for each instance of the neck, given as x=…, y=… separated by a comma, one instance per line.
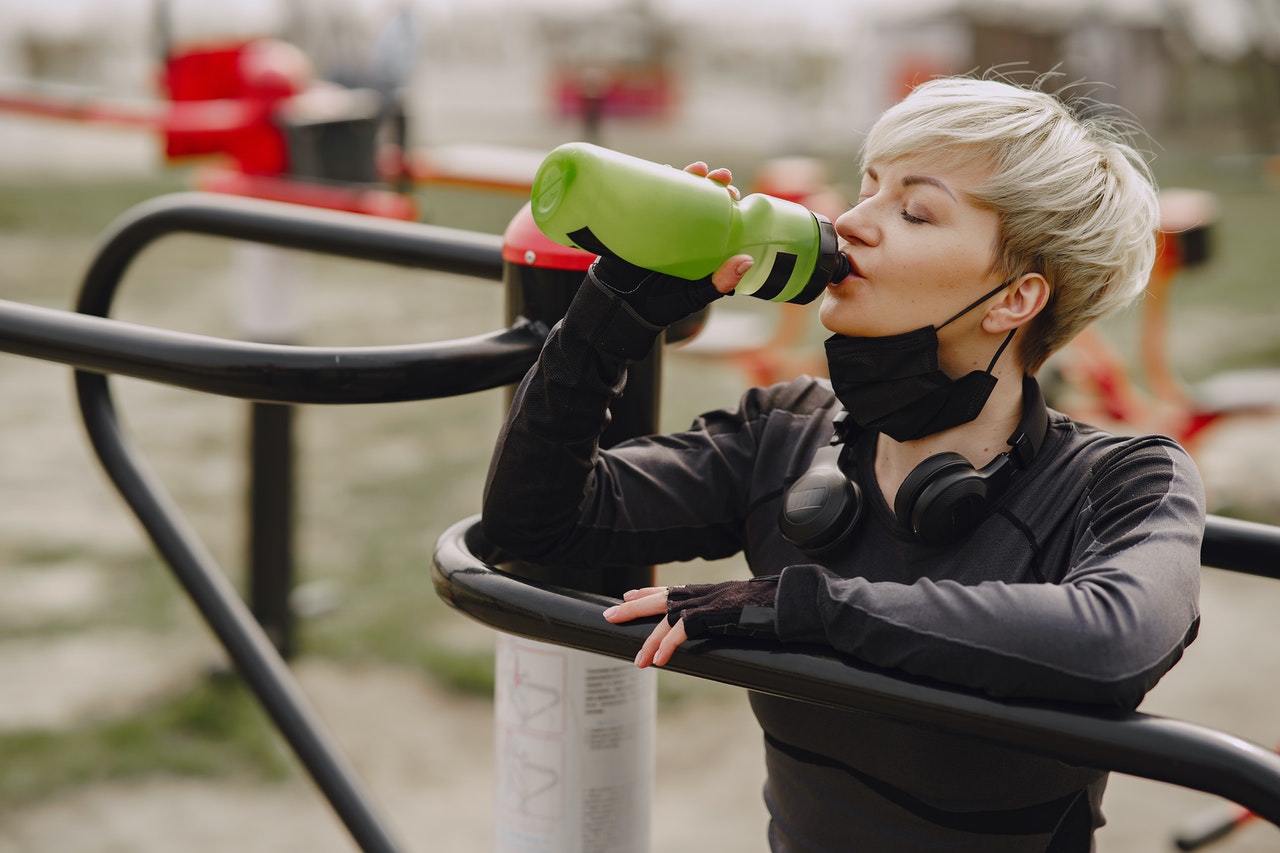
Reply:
x=979, y=441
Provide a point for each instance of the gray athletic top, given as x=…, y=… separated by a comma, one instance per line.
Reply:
x=1081, y=585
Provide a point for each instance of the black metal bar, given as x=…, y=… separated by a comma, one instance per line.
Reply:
x=271, y=522
x=289, y=226
x=1241, y=546
x=286, y=226
x=270, y=373
x=226, y=614
x=1165, y=750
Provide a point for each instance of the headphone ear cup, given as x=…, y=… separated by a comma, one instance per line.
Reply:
x=942, y=498
x=820, y=510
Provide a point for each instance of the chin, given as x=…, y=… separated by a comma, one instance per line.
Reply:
x=829, y=315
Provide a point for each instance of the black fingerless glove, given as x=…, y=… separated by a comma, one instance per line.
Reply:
x=731, y=609
x=656, y=298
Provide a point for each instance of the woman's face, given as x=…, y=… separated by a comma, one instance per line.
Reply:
x=919, y=248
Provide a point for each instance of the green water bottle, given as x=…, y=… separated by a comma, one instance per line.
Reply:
x=668, y=220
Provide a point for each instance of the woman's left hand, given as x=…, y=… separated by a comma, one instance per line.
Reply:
x=737, y=608
x=665, y=638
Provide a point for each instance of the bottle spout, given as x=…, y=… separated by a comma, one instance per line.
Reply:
x=832, y=265
x=841, y=269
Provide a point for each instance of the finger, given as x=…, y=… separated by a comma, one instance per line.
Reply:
x=631, y=594
x=730, y=273
x=720, y=175
x=653, y=603
x=671, y=641
x=652, y=644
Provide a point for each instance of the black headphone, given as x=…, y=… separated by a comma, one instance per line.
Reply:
x=942, y=499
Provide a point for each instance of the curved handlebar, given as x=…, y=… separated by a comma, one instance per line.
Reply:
x=270, y=372
x=1138, y=744
x=1241, y=546
x=289, y=226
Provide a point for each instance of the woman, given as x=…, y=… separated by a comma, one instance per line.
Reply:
x=982, y=540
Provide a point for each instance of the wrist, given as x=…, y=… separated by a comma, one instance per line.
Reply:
x=799, y=617
x=601, y=318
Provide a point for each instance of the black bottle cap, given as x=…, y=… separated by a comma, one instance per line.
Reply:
x=832, y=265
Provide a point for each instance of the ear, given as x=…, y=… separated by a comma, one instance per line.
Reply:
x=1019, y=304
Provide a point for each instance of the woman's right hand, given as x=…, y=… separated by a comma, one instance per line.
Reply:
x=659, y=299
x=730, y=273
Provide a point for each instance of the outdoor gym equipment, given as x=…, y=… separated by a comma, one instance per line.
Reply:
x=1099, y=388
x=257, y=121
x=562, y=608
x=98, y=347
x=260, y=125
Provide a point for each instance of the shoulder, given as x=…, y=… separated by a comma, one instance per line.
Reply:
x=1107, y=456
x=798, y=401
x=1129, y=473
x=779, y=427
x=803, y=395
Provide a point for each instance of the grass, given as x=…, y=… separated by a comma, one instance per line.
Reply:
x=378, y=484
x=215, y=729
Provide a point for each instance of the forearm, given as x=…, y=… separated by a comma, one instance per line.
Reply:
x=546, y=451
x=1103, y=632
x=1088, y=642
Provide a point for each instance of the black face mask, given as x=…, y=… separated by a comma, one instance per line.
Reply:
x=893, y=384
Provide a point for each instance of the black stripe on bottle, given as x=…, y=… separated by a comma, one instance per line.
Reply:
x=783, y=265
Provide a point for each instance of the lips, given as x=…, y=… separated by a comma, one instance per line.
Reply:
x=854, y=272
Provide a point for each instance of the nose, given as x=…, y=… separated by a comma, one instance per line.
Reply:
x=856, y=225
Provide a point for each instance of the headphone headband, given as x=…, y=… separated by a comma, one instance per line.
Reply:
x=941, y=500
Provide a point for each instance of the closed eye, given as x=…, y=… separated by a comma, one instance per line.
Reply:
x=914, y=220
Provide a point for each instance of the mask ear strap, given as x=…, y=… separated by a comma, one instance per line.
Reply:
x=999, y=352
x=977, y=302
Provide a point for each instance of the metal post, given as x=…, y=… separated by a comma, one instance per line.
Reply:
x=271, y=522
x=574, y=730
x=267, y=310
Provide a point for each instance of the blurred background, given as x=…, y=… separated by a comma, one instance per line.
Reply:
x=120, y=728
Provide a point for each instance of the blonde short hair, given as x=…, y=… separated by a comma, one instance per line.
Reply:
x=1076, y=202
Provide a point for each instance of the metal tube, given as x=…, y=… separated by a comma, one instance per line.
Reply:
x=259, y=372
x=255, y=658
x=570, y=763
x=270, y=372
x=288, y=226
x=1165, y=750
x=271, y=517
x=1241, y=546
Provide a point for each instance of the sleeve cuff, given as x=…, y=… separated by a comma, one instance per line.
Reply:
x=607, y=323
x=799, y=616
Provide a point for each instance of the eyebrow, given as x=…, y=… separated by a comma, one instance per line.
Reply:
x=913, y=180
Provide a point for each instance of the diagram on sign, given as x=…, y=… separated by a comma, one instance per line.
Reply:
x=531, y=777
x=535, y=689
x=530, y=708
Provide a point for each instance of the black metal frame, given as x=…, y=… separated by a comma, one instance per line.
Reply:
x=97, y=346
x=466, y=573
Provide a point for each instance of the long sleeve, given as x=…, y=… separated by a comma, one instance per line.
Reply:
x=1103, y=632
x=552, y=495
